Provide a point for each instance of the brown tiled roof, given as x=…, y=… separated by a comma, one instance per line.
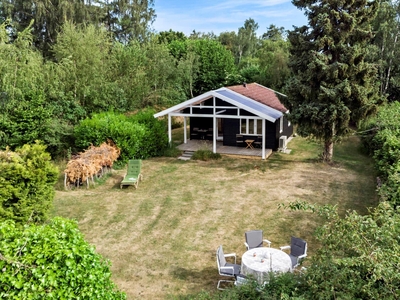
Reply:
x=260, y=94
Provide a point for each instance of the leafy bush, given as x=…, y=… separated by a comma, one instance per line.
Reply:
x=203, y=154
x=137, y=136
x=358, y=257
x=280, y=286
x=27, y=180
x=171, y=151
x=156, y=139
x=383, y=142
x=31, y=118
x=52, y=261
x=25, y=120
x=283, y=286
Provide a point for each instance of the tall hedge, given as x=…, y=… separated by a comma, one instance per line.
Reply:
x=27, y=179
x=383, y=142
x=137, y=136
x=156, y=139
x=52, y=261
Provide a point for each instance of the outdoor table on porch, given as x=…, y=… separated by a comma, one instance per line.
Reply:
x=202, y=133
x=259, y=262
x=249, y=144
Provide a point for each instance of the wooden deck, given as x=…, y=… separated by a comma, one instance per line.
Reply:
x=194, y=145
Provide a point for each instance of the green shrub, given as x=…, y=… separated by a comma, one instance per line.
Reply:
x=202, y=154
x=137, y=136
x=358, y=257
x=52, y=261
x=27, y=180
x=384, y=142
x=156, y=139
x=280, y=286
x=171, y=151
x=25, y=120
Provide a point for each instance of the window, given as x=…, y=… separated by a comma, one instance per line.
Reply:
x=259, y=126
x=281, y=125
x=243, y=126
x=250, y=126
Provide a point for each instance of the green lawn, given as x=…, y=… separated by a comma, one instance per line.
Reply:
x=161, y=238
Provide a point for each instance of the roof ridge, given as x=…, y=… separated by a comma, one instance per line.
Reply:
x=253, y=100
x=270, y=89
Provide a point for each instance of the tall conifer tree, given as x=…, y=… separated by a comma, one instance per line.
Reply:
x=333, y=86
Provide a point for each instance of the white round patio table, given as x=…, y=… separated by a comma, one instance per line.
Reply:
x=259, y=262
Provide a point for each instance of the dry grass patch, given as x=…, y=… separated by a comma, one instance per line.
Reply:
x=161, y=238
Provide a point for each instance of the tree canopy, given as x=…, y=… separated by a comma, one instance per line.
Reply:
x=125, y=20
x=333, y=85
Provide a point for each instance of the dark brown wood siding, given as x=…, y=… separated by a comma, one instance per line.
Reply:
x=231, y=128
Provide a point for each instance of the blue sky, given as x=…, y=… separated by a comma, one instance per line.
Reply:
x=226, y=15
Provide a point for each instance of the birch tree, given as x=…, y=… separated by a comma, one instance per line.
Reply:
x=387, y=40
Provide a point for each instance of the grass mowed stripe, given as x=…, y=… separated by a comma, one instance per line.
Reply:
x=161, y=238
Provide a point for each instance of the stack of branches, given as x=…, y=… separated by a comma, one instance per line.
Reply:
x=93, y=162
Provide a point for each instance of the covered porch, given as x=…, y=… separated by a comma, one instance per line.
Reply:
x=238, y=116
x=194, y=145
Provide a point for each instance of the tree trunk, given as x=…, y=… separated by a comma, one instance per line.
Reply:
x=391, y=57
x=327, y=155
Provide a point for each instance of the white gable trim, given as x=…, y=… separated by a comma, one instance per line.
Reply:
x=176, y=110
x=185, y=104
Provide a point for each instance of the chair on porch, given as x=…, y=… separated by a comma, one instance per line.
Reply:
x=258, y=142
x=209, y=134
x=239, y=140
x=194, y=133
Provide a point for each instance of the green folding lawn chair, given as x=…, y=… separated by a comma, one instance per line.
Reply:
x=133, y=173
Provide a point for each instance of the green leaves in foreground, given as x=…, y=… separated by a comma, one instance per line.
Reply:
x=359, y=254
x=52, y=261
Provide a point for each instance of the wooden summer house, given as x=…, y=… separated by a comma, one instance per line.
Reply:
x=233, y=115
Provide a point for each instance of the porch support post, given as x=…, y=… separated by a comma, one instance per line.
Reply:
x=184, y=131
x=214, y=125
x=169, y=129
x=263, y=140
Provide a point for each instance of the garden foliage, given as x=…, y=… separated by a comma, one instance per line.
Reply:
x=358, y=257
x=52, y=261
x=137, y=136
x=382, y=139
x=284, y=286
x=27, y=181
x=204, y=154
x=333, y=85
